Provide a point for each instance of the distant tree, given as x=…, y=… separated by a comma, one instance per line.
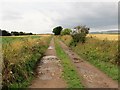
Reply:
x=66, y=31
x=57, y=30
x=15, y=33
x=0, y=32
x=4, y=33
x=21, y=33
x=30, y=34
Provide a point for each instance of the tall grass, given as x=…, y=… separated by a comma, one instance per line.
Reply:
x=20, y=57
x=101, y=53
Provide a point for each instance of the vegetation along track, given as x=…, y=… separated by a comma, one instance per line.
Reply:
x=69, y=72
x=20, y=55
x=92, y=77
x=49, y=71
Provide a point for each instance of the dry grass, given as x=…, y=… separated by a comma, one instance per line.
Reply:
x=44, y=34
x=66, y=38
x=101, y=53
x=19, y=57
x=104, y=36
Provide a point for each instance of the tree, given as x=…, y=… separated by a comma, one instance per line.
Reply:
x=57, y=30
x=4, y=33
x=79, y=35
x=21, y=33
x=66, y=31
x=82, y=29
x=15, y=33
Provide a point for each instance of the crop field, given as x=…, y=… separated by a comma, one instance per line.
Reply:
x=20, y=55
x=104, y=36
x=102, y=52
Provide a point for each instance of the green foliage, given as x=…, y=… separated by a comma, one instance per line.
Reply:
x=15, y=33
x=82, y=29
x=79, y=35
x=4, y=33
x=20, y=57
x=69, y=72
x=57, y=30
x=66, y=31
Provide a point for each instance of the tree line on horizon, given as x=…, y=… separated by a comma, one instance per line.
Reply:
x=13, y=33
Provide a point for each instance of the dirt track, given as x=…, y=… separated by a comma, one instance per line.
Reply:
x=91, y=76
x=49, y=71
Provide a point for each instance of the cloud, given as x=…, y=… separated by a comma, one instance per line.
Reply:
x=95, y=15
x=42, y=17
x=10, y=15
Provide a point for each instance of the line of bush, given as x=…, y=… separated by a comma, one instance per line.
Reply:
x=13, y=33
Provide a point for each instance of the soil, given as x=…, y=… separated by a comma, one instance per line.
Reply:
x=49, y=71
x=91, y=76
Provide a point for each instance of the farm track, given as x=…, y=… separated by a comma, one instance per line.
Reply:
x=91, y=76
x=49, y=71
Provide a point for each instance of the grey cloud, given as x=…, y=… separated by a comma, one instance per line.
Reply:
x=11, y=15
x=68, y=14
x=95, y=16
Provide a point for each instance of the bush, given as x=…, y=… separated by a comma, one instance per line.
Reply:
x=79, y=35
x=66, y=31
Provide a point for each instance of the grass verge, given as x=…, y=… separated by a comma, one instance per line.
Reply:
x=101, y=53
x=69, y=72
x=20, y=57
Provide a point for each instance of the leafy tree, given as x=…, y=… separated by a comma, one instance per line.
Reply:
x=15, y=33
x=4, y=33
x=82, y=29
x=28, y=34
x=66, y=31
x=79, y=35
x=57, y=30
x=21, y=33
x=0, y=32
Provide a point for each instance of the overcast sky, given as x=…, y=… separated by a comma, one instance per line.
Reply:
x=42, y=16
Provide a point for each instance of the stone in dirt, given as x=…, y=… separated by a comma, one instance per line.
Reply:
x=50, y=47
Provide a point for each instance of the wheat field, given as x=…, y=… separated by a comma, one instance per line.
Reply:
x=104, y=36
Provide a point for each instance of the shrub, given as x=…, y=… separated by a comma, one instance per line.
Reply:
x=79, y=35
x=66, y=31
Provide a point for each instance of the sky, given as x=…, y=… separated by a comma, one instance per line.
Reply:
x=38, y=16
